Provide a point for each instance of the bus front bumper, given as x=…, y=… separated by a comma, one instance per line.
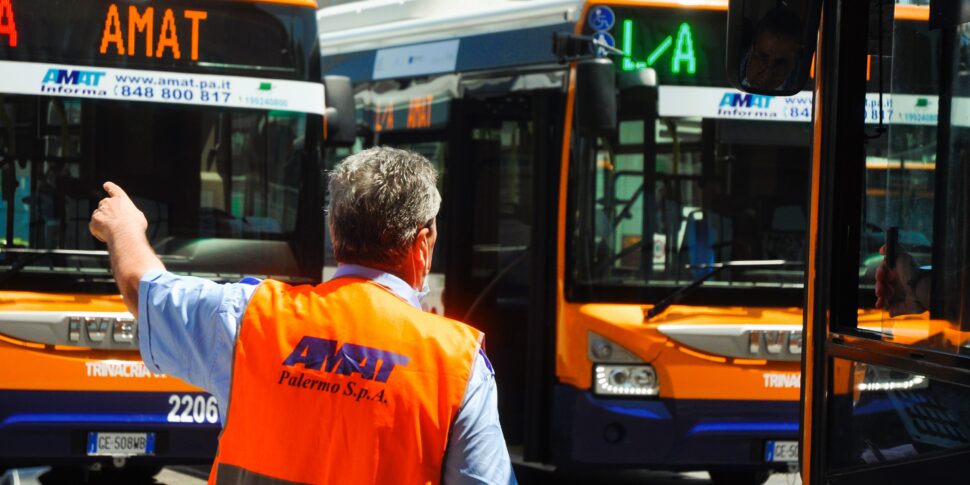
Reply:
x=49, y=428
x=591, y=431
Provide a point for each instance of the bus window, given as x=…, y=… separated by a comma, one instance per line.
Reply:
x=903, y=190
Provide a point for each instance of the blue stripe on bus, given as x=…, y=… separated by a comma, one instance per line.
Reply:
x=86, y=418
x=635, y=412
x=744, y=427
x=634, y=408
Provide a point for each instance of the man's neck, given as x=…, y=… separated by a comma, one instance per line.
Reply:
x=406, y=275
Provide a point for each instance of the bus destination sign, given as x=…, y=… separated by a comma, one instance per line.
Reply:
x=170, y=35
x=142, y=24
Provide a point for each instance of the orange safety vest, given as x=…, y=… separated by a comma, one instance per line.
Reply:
x=341, y=383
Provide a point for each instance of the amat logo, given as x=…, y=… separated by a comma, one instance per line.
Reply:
x=738, y=100
x=347, y=359
x=67, y=77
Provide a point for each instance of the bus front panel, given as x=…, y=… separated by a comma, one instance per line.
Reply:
x=210, y=118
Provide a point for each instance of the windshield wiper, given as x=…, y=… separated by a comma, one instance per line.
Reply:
x=717, y=268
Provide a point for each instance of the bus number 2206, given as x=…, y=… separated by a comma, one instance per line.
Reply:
x=193, y=409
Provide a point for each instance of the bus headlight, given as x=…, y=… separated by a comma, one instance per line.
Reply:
x=625, y=380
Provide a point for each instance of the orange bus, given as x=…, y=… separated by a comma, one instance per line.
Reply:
x=639, y=275
x=210, y=115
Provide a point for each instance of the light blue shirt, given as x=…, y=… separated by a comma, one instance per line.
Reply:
x=187, y=328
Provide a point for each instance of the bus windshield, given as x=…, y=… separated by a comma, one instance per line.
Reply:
x=696, y=175
x=220, y=188
x=706, y=201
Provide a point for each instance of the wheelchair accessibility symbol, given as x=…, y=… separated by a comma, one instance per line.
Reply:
x=601, y=18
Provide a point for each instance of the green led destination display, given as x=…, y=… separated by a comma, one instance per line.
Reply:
x=683, y=52
x=685, y=46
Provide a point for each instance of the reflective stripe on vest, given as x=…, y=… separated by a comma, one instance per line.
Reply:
x=343, y=382
x=233, y=475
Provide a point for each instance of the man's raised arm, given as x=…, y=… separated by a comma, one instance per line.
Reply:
x=119, y=224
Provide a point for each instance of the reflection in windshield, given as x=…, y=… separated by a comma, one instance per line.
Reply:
x=220, y=188
x=900, y=173
x=707, y=191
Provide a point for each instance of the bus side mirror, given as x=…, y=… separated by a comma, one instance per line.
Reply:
x=595, y=97
x=770, y=45
x=340, y=116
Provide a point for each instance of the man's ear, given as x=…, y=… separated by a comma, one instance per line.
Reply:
x=421, y=249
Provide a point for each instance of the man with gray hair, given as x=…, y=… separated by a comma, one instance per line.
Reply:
x=348, y=381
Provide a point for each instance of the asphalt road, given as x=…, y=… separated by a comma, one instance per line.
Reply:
x=197, y=475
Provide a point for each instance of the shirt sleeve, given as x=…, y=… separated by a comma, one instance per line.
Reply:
x=477, y=453
x=187, y=328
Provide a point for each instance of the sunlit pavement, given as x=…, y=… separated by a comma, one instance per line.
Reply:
x=45, y=476
x=197, y=476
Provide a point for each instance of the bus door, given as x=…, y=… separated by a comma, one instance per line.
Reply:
x=501, y=187
x=887, y=386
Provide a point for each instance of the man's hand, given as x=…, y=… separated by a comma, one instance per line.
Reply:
x=892, y=286
x=116, y=214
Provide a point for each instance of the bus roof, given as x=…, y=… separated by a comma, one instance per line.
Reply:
x=395, y=39
x=374, y=24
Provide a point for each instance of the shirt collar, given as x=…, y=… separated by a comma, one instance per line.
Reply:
x=394, y=284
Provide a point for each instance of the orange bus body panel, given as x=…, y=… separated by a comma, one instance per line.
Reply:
x=32, y=366
x=624, y=324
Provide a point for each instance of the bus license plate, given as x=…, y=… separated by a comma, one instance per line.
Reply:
x=121, y=444
x=781, y=451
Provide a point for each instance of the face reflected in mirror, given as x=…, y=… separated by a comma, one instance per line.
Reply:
x=776, y=46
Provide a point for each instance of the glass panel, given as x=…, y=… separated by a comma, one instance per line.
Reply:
x=917, y=187
x=699, y=193
x=631, y=132
x=503, y=206
x=220, y=188
x=878, y=414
